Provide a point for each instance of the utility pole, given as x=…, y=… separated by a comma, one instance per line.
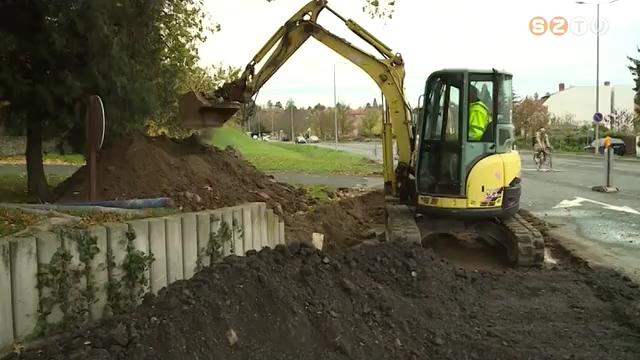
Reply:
x=597, y=72
x=335, y=107
x=598, y=29
x=292, y=139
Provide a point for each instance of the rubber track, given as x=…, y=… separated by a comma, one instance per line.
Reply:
x=529, y=241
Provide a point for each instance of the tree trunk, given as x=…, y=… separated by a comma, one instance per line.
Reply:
x=36, y=181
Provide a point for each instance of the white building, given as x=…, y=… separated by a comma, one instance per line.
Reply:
x=579, y=101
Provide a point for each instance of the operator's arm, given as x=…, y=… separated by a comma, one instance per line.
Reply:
x=546, y=140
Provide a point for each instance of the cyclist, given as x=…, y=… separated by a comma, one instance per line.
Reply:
x=542, y=145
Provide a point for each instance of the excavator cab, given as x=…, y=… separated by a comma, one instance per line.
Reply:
x=466, y=165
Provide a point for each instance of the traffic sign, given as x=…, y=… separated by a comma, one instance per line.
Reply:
x=95, y=122
x=597, y=117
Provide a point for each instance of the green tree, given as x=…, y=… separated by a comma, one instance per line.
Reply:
x=345, y=122
x=134, y=54
x=635, y=71
x=372, y=122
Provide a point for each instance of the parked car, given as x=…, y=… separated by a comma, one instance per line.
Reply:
x=616, y=143
x=301, y=140
x=313, y=139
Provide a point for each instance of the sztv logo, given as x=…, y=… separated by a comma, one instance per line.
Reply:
x=559, y=26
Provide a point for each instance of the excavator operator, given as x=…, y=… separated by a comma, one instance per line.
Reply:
x=479, y=117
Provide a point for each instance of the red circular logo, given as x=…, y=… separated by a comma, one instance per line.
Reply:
x=538, y=25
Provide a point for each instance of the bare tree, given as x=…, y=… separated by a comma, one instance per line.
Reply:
x=621, y=121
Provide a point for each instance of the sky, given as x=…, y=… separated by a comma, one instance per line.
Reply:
x=432, y=35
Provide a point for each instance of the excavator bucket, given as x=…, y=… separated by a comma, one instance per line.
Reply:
x=196, y=111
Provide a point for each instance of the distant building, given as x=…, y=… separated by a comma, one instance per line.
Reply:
x=579, y=101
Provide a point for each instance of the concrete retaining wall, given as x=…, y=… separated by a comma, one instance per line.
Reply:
x=178, y=244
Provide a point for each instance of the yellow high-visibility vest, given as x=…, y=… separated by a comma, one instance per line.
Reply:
x=479, y=119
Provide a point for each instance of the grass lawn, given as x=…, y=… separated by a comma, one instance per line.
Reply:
x=297, y=158
x=13, y=187
x=49, y=159
x=321, y=193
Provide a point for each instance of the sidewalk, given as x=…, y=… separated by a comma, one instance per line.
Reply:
x=584, y=155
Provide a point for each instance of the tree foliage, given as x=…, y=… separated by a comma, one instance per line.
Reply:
x=53, y=54
x=635, y=71
x=345, y=121
x=621, y=121
x=530, y=114
x=372, y=122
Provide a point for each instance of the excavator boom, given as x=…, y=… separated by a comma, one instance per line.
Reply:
x=387, y=71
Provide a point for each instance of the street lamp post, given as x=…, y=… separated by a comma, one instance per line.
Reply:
x=597, y=125
x=335, y=107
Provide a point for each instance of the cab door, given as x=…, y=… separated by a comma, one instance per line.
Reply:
x=441, y=142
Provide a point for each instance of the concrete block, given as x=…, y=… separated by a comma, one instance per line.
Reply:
x=100, y=273
x=238, y=232
x=216, y=220
x=24, y=285
x=264, y=225
x=271, y=229
x=158, y=247
x=141, y=242
x=76, y=266
x=247, y=229
x=6, y=305
x=256, y=243
x=48, y=243
x=204, y=234
x=117, y=244
x=276, y=231
x=189, y=244
x=227, y=217
x=173, y=230
x=281, y=240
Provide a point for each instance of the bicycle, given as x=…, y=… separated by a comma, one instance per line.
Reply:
x=546, y=158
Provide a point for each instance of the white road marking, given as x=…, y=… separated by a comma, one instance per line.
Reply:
x=541, y=170
x=577, y=201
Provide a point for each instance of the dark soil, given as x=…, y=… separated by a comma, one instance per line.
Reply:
x=344, y=223
x=193, y=175
x=386, y=301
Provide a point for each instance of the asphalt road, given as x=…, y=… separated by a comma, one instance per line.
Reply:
x=607, y=225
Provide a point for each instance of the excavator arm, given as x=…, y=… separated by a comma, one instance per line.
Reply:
x=387, y=72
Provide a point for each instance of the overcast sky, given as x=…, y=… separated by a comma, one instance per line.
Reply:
x=430, y=35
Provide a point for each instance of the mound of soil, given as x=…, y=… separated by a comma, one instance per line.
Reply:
x=385, y=301
x=344, y=223
x=198, y=177
x=193, y=175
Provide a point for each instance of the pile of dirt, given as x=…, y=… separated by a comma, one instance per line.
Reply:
x=385, y=301
x=198, y=177
x=195, y=176
x=344, y=223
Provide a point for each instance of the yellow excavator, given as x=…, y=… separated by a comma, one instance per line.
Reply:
x=446, y=179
